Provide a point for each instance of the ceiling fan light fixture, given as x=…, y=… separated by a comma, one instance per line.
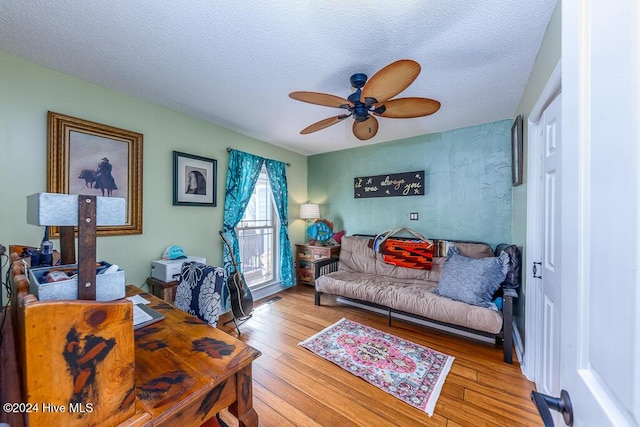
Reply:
x=373, y=97
x=365, y=129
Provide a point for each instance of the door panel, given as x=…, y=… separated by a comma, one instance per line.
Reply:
x=601, y=211
x=551, y=213
x=551, y=368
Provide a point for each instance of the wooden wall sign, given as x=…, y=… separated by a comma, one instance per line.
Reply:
x=389, y=185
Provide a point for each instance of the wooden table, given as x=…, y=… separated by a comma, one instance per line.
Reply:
x=185, y=371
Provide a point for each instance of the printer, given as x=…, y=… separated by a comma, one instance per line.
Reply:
x=168, y=270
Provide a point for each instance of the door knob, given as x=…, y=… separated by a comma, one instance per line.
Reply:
x=535, y=270
x=561, y=404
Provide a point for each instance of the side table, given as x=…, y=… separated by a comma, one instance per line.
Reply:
x=164, y=290
x=307, y=256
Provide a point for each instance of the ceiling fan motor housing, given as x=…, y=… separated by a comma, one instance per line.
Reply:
x=360, y=112
x=359, y=109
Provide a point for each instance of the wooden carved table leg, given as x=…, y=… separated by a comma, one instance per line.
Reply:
x=242, y=408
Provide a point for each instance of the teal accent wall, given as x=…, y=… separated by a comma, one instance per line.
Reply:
x=467, y=184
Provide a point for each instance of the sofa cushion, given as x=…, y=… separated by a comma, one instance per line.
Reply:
x=473, y=249
x=410, y=296
x=469, y=249
x=355, y=256
x=472, y=280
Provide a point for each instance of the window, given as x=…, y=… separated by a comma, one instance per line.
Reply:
x=258, y=236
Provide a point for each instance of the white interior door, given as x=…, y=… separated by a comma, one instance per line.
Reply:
x=540, y=360
x=600, y=225
x=549, y=268
x=544, y=245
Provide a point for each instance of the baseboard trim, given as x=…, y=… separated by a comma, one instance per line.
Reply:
x=266, y=291
x=517, y=342
x=261, y=293
x=519, y=346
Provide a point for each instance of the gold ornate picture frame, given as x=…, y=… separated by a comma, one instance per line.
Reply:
x=88, y=158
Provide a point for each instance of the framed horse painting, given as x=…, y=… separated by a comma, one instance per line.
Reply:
x=88, y=158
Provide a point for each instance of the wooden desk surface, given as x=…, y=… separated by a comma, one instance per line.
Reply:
x=187, y=371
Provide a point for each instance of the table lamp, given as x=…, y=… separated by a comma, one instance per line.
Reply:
x=309, y=211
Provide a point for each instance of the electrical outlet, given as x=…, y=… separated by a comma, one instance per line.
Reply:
x=413, y=216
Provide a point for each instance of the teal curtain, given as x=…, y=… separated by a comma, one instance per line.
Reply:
x=278, y=181
x=242, y=175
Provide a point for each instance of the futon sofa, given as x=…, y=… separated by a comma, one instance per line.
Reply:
x=453, y=292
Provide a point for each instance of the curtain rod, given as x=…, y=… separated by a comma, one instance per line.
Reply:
x=229, y=149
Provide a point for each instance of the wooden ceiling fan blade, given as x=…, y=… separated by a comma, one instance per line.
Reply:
x=407, y=108
x=391, y=80
x=323, y=124
x=365, y=129
x=321, y=99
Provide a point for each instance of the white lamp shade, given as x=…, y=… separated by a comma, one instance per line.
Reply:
x=309, y=211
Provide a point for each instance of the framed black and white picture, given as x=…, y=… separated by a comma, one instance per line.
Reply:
x=194, y=180
x=516, y=152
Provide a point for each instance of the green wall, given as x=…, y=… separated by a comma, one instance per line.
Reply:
x=467, y=188
x=28, y=91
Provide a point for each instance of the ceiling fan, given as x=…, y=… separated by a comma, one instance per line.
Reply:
x=373, y=98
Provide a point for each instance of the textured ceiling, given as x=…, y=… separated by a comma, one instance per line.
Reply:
x=233, y=63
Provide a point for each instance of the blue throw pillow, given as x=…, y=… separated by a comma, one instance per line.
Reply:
x=472, y=280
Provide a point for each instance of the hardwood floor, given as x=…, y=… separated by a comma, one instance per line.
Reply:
x=294, y=387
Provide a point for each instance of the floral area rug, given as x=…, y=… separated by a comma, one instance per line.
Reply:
x=411, y=372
